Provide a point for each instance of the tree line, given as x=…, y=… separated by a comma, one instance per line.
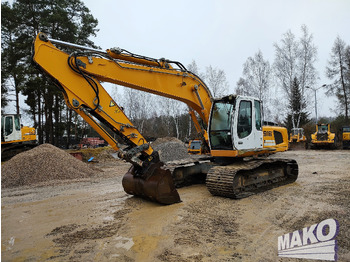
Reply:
x=292, y=73
x=20, y=23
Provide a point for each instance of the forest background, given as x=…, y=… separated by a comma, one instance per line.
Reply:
x=287, y=85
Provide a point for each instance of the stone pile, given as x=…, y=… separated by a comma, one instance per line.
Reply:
x=170, y=149
x=41, y=164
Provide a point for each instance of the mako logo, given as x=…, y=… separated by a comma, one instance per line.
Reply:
x=314, y=242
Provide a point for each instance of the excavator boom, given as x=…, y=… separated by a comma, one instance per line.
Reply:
x=85, y=95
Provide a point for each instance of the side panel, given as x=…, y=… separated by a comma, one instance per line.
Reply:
x=28, y=133
x=275, y=137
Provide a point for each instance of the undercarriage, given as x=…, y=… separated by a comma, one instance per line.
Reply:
x=238, y=179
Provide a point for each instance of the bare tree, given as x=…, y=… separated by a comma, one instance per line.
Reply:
x=337, y=70
x=137, y=105
x=193, y=67
x=174, y=109
x=347, y=62
x=256, y=77
x=286, y=61
x=256, y=80
x=308, y=56
x=295, y=60
x=216, y=81
x=241, y=87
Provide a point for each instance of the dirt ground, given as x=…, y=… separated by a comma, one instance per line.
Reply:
x=95, y=220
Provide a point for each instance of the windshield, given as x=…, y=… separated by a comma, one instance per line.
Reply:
x=195, y=145
x=221, y=116
x=220, y=125
x=297, y=131
x=322, y=128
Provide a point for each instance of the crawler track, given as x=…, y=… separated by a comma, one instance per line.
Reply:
x=243, y=179
x=9, y=151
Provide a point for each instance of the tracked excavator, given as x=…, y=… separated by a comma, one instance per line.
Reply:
x=231, y=127
x=15, y=138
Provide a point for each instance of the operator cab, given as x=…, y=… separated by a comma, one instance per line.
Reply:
x=235, y=124
x=297, y=131
x=10, y=128
x=322, y=128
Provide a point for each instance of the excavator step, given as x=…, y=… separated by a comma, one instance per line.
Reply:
x=243, y=179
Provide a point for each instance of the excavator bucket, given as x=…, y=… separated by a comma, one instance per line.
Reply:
x=155, y=184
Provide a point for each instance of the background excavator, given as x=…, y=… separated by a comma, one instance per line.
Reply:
x=231, y=132
x=15, y=138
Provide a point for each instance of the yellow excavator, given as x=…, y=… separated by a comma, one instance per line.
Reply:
x=232, y=131
x=15, y=138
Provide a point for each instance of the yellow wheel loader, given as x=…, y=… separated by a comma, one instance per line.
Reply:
x=232, y=128
x=297, y=139
x=323, y=138
x=15, y=138
x=346, y=137
x=195, y=147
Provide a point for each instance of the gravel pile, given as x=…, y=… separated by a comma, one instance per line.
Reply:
x=41, y=164
x=170, y=149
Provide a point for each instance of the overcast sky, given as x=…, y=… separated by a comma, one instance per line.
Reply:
x=220, y=33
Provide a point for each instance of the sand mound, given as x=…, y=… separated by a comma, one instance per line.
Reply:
x=41, y=164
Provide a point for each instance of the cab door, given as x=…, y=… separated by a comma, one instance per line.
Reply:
x=247, y=128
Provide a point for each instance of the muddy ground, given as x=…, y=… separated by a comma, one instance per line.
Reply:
x=94, y=220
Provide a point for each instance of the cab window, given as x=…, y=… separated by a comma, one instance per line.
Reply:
x=17, y=123
x=257, y=115
x=244, y=126
x=8, y=125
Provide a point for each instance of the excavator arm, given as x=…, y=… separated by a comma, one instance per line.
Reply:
x=79, y=76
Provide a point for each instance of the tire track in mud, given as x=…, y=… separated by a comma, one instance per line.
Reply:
x=207, y=230
x=76, y=240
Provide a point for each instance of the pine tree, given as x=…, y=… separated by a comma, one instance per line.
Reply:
x=338, y=71
x=298, y=116
x=69, y=21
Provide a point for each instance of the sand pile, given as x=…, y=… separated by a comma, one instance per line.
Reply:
x=170, y=149
x=41, y=164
